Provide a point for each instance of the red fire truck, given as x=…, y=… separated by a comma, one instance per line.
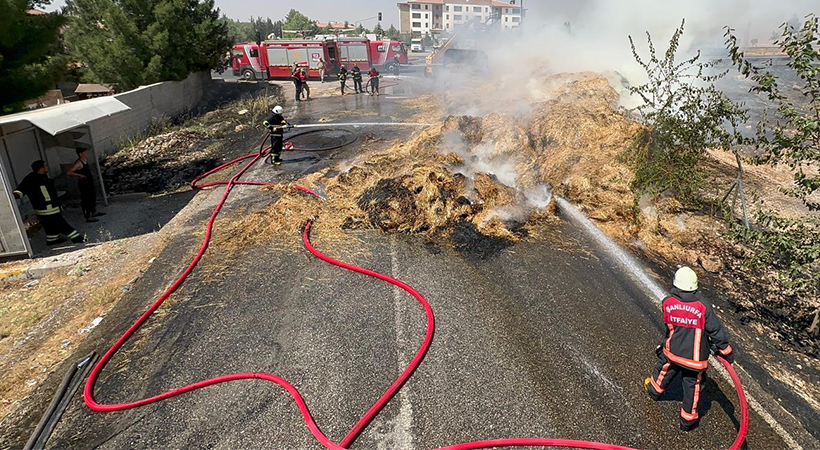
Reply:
x=275, y=59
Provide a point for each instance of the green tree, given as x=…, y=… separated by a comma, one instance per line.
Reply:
x=393, y=33
x=136, y=42
x=262, y=28
x=360, y=30
x=378, y=30
x=30, y=60
x=793, y=136
x=239, y=32
x=296, y=22
x=685, y=116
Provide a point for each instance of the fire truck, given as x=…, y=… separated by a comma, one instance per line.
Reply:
x=275, y=59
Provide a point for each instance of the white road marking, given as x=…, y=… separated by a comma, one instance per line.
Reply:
x=631, y=265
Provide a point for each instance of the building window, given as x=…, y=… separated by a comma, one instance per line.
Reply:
x=457, y=17
x=415, y=6
x=427, y=16
x=516, y=19
x=426, y=24
x=426, y=6
x=447, y=17
x=446, y=7
x=506, y=19
x=417, y=15
x=457, y=8
x=416, y=24
x=516, y=11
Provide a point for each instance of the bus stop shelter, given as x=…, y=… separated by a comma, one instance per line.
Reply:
x=52, y=135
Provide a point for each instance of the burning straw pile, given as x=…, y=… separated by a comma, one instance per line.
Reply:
x=465, y=181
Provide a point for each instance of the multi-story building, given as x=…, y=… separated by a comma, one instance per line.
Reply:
x=421, y=17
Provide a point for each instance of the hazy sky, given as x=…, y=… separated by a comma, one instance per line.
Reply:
x=339, y=11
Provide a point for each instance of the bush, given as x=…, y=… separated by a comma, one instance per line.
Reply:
x=685, y=116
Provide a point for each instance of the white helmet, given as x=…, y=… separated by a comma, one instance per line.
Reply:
x=278, y=109
x=686, y=280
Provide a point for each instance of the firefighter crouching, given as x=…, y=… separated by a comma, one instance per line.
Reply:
x=692, y=329
x=39, y=189
x=276, y=123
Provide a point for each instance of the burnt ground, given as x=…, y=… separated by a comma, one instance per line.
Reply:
x=540, y=338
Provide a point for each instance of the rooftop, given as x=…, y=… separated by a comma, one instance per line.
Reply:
x=495, y=3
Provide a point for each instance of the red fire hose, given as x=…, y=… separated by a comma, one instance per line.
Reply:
x=355, y=431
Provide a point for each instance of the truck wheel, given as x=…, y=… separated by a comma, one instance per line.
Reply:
x=390, y=67
x=248, y=75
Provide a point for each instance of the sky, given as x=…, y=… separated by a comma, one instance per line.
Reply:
x=336, y=10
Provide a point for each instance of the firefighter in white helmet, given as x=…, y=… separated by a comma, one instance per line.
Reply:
x=276, y=123
x=692, y=328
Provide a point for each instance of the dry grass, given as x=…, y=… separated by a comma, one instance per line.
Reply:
x=42, y=324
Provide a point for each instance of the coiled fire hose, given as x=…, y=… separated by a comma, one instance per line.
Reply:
x=355, y=431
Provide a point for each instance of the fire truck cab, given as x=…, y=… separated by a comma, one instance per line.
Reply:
x=245, y=62
x=383, y=54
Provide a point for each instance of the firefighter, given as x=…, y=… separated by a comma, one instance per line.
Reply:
x=688, y=316
x=343, y=78
x=297, y=81
x=43, y=196
x=357, y=79
x=276, y=123
x=88, y=195
x=396, y=65
x=303, y=78
x=374, y=81
x=322, y=67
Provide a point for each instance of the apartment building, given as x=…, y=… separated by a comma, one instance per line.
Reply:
x=420, y=17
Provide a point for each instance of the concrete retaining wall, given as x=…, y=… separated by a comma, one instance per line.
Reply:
x=148, y=104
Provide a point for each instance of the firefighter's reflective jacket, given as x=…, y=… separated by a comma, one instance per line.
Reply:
x=41, y=192
x=687, y=318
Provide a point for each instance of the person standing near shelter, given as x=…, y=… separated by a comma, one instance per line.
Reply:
x=321, y=67
x=343, y=78
x=297, y=81
x=88, y=195
x=374, y=81
x=303, y=78
x=39, y=189
x=276, y=124
x=692, y=329
x=357, y=79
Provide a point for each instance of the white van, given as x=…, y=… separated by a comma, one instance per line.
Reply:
x=416, y=45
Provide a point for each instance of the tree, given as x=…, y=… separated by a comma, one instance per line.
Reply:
x=360, y=30
x=393, y=33
x=136, y=42
x=793, y=137
x=378, y=30
x=262, y=28
x=239, y=32
x=296, y=22
x=30, y=60
x=685, y=116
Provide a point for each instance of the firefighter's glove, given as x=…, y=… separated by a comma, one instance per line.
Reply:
x=730, y=358
x=658, y=351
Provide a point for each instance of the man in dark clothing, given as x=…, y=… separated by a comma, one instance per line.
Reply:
x=686, y=350
x=276, y=123
x=374, y=81
x=343, y=78
x=88, y=195
x=39, y=189
x=357, y=79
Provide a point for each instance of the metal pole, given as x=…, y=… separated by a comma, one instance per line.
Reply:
x=99, y=169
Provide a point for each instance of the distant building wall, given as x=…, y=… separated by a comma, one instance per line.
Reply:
x=148, y=104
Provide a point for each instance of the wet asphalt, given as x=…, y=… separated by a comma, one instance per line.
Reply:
x=545, y=338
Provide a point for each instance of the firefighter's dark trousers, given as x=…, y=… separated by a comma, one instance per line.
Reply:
x=691, y=381
x=374, y=83
x=357, y=84
x=343, y=87
x=55, y=225
x=88, y=198
x=276, y=142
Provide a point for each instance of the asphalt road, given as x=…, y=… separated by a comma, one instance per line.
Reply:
x=545, y=338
